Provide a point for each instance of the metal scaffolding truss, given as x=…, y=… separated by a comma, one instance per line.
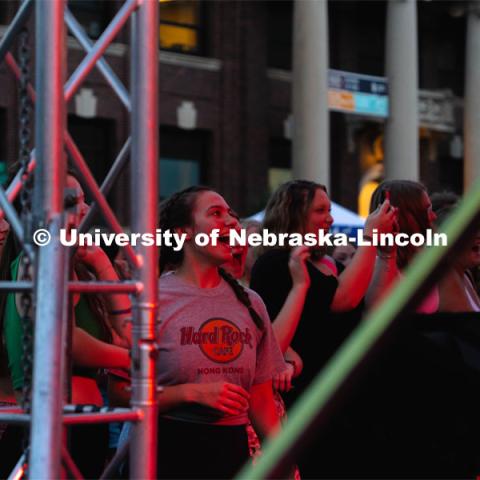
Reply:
x=51, y=95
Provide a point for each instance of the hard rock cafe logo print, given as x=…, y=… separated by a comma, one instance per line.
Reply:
x=220, y=340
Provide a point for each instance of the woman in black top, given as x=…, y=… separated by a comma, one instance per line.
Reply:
x=302, y=206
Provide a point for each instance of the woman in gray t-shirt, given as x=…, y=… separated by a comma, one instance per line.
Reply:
x=217, y=351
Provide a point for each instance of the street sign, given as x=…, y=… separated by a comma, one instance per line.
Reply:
x=357, y=82
x=357, y=93
x=360, y=94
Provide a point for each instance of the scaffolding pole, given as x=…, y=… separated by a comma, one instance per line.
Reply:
x=144, y=82
x=51, y=274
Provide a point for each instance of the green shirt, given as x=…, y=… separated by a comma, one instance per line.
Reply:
x=13, y=331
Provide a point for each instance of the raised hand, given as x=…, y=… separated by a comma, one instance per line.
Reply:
x=383, y=219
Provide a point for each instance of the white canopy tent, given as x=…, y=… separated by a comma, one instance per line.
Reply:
x=344, y=220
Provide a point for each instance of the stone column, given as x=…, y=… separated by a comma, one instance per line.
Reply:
x=471, y=129
x=311, y=136
x=401, y=128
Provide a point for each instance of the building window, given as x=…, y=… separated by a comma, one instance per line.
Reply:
x=280, y=162
x=177, y=174
x=183, y=155
x=93, y=15
x=182, y=27
x=280, y=34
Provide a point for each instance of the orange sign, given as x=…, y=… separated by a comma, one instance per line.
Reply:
x=341, y=100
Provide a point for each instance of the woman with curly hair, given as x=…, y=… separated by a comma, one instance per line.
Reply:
x=303, y=207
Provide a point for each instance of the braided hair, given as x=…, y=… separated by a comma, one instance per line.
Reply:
x=242, y=297
x=176, y=212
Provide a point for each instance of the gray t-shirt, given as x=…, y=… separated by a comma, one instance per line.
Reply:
x=207, y=335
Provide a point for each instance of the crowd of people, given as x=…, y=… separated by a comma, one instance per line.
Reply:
x=243, y=331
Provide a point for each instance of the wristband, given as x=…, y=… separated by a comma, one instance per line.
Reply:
x=386, y=255
x=386, y=252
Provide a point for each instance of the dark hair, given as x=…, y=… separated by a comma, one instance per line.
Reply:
x=176, y=212
x=287, y=208
x=242, y=296
x=443, y=199
x=95, y=301
x=443, y=213
x=446, y=211
x=407, y=196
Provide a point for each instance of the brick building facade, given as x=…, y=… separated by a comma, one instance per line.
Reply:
x=225, y=96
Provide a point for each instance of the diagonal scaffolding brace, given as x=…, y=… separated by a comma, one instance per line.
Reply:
x=99, y=48
x=102, y=64
x=14, y=28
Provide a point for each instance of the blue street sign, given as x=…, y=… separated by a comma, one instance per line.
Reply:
x=357, y=82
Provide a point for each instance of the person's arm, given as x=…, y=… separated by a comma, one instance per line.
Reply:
x=385, y=275
x=286, y=322
x=263, y=413
x=353, y=282
x=283, y=381
x=228, y=398
x=87, y=351
x=119, y=305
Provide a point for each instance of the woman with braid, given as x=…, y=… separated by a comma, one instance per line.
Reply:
x=217, y=351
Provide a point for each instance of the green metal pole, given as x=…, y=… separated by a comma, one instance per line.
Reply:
x=362, y=339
